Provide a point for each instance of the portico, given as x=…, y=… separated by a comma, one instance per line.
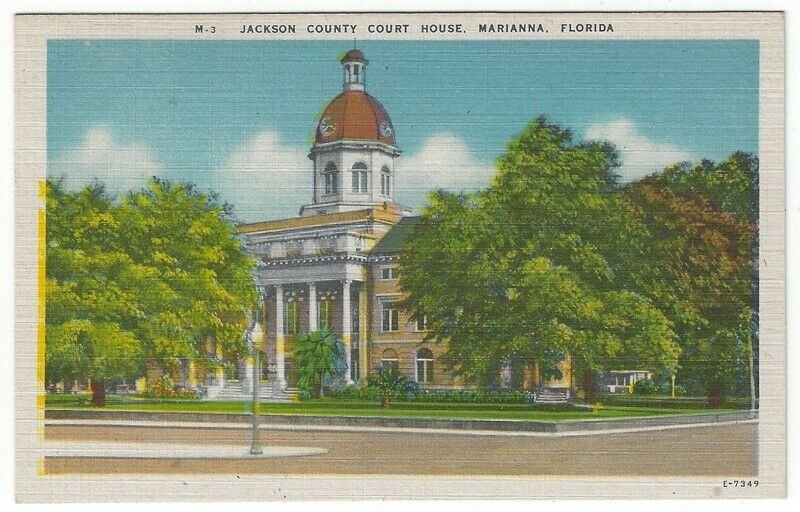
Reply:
x=292, y=308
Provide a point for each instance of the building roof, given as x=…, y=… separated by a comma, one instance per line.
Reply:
x=355, y=115
x=392, y=242
x=387, y=214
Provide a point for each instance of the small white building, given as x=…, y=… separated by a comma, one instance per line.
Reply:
x=622, y=381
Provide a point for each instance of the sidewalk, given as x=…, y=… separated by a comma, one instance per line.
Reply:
x=351, y=423
x=83, y=449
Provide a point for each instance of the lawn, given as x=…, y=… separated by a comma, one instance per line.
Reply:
x=339, y=407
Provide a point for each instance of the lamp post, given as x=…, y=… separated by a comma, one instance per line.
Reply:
x=255, y=445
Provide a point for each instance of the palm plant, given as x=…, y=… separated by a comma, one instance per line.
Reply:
x=320, y=357
x=391, y=385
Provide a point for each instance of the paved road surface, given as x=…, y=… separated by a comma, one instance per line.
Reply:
x=725, y=450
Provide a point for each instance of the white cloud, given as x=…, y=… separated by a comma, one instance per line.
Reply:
x=640, y=155
x=265, y=179
x=444, y=161
x=100, y=157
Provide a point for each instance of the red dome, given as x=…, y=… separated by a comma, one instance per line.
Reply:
x=354, y=54
x=355, y=115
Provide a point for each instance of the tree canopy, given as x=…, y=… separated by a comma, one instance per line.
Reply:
x=528, y=269
x=151, y=276
x=699, y=265
x=556, y=259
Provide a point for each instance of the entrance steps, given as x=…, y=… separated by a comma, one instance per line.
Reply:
x=267, y=392
x=551, y=396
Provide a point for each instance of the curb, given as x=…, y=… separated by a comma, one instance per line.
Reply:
x=409, y=423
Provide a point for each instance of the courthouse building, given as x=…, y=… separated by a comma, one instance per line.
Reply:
x=335, y=264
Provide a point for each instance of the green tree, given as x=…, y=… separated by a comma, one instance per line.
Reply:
x=527, y=269
x=698, y=264
x=320, y=358
x=149, y=278
x=188, y=241
x=91, y=309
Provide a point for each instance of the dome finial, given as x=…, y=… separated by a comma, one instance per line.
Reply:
x=354, y=65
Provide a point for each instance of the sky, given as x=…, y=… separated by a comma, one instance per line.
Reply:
x=238, y=117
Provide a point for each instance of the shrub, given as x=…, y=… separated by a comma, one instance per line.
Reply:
x=477, y=396
x=646, y=387
x=389, y=386
x=407, y=391
x=682, y=402
x=165, y=387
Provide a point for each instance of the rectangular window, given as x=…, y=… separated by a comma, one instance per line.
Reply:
x=422, y=323
x=354, y=364
x=325, y=314
x=424, y=371
x=354, y=323
x=388, y=273
x=385, y=181
x=359, y=183
x=331, y=185
x=291, y=322
x=391, y=318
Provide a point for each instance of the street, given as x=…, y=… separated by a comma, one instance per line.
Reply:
x=730, y=449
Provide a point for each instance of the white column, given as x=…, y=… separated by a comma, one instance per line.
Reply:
x=346, y=326
x=313, y=316
x=363, y=329
x=280, y=365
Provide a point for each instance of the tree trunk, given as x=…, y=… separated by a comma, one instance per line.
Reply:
x=321, y=387
x=571, y=377
x=98, y=393
x=588, y=387
x=715, y=396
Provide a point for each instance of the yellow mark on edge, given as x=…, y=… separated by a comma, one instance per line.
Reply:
x=42, y=284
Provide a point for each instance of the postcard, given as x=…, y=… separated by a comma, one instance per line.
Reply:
x=397, y=255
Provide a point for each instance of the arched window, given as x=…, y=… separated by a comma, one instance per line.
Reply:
x=360, y=178
x=331, y=175
x=390, y=361
x=386, y=181
x=424, y=366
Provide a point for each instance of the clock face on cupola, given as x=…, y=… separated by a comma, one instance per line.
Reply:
x=326, y=127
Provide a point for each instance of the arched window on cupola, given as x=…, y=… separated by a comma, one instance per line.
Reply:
x=331, y=176
x=360, y=178
x=386, y=181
